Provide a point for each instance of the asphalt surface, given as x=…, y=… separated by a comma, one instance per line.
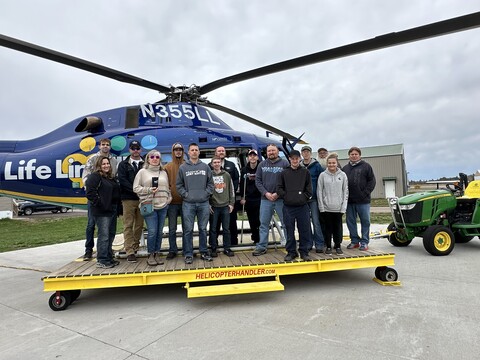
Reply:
x=337, y=315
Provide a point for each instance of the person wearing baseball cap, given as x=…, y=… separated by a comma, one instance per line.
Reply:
x=315, y=169
x=175, y=207
x=251, y=197
x=295, y=188
x=132, y=219
x=322, y=154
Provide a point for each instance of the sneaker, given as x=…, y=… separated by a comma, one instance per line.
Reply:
x=363, y=247
x=115, y=262
x=328, y=251
x=259, y=252
x=104, y=266
x=151, y=260
x=353, y=245
x=213, y=253
x=132, y=258
x=290, y=257
x=319, y=251
x=305, y=257
x=228, y=252
x=339, y=251
x=157, y=259
x=206, y=257
x=171, y=255
x=188, y=259
x=88, y=255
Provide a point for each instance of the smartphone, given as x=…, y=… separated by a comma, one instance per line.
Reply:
x=155, y=181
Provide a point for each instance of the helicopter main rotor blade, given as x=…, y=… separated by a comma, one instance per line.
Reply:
x=251, y=120
x=461, y=23
x=78, y=63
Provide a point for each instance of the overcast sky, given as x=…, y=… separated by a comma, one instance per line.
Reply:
x=425, y=95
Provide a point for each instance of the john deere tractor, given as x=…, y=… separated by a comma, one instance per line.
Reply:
x=441, y=217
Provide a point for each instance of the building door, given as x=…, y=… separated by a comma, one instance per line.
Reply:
x=389, y=188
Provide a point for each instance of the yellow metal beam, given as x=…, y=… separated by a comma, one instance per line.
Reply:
x=231, y=289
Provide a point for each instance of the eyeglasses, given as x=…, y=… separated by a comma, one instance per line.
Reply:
x=154, y=157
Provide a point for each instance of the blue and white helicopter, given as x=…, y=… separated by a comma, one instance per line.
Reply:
x=49, y=168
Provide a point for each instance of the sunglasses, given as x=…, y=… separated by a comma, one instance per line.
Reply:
x=154, y=157
x=178, y=149
x=135, y=149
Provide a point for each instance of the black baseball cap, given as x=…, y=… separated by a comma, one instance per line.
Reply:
x=134, y=144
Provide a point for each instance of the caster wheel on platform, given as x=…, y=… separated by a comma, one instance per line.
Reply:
x=387, y=274
x=60, y=300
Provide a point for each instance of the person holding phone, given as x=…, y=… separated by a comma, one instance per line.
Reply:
x=151, y=183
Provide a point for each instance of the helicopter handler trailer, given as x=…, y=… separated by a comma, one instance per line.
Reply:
x=241, y=274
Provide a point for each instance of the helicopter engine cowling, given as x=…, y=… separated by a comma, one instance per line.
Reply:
x=89, y=123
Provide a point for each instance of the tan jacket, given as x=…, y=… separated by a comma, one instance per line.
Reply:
x=142, y=186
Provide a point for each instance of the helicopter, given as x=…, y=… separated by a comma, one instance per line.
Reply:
x=49, y=168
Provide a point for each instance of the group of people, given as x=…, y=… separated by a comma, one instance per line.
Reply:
x=301, y=191
x=314, y=195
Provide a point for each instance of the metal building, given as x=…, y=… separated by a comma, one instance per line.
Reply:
x=388, y=163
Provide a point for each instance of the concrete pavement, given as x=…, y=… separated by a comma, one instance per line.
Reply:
x=338, y=315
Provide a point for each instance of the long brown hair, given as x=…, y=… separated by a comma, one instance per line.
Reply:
x=98, y=167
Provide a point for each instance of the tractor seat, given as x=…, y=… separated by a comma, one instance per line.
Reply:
x=473, y=190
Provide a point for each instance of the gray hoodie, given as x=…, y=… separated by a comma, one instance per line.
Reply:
x=194, y=182
x=332, y=192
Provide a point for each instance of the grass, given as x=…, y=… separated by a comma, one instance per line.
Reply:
x=22, y=234
x=379, y=202
x=29, y=233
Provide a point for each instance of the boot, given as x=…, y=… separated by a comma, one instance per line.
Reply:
x=157, y=259
x=151, y=260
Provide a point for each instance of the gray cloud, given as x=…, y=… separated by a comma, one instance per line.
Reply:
x=424, y=95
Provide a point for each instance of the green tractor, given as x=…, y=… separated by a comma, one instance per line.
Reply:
x=441, y=217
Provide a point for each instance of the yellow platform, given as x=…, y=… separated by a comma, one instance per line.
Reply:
x=268, y=268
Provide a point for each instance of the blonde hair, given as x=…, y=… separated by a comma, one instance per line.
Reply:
x=332, y=155
x=146, y=165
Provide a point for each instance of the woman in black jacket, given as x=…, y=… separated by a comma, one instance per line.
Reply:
x=103, y=192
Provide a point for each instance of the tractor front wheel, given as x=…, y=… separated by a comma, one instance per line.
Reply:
x=393, y=238
x=438, y=240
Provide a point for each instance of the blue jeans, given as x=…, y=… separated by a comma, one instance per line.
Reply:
x=267, y=208
x=173, y=212
x=90, y=230
x=220, y=214
x=363, y=212
x=300, y=215
x=155, y=222
x=317, y=235
x=202, y=211
x=107, y=228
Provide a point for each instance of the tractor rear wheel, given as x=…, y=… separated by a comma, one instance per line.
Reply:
x=438, y=240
